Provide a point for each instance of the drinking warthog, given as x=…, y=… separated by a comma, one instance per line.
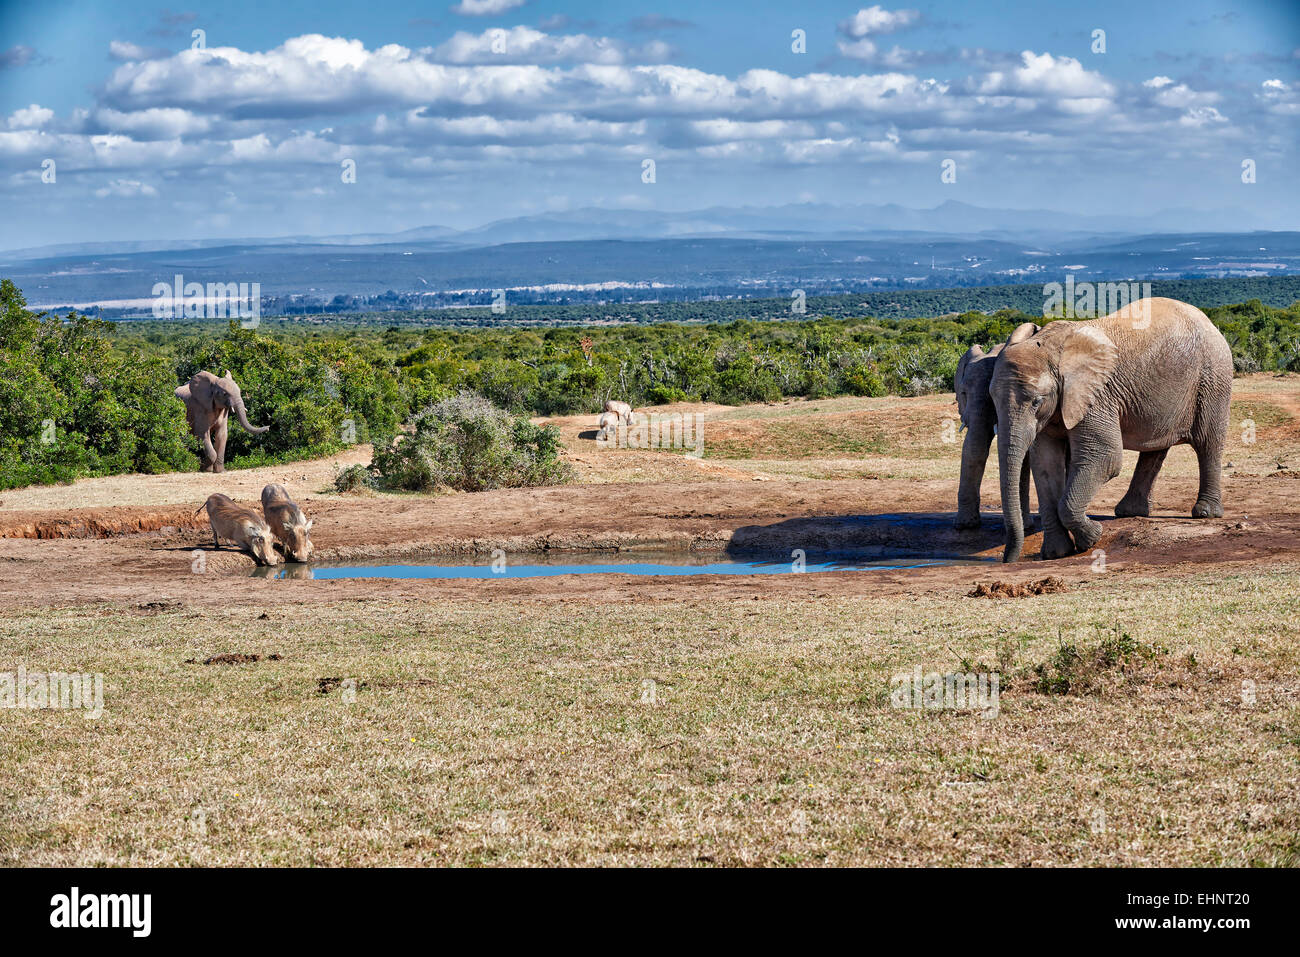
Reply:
x=608, y=425
x=242, y=526
x=287, y=522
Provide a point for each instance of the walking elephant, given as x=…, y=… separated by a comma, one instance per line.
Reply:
x=208, y=404
x=1151, y=376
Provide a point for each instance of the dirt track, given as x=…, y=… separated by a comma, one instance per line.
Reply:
x=133, y=553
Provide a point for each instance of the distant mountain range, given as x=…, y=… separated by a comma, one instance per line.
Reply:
x=803, y=221
x=602, y=255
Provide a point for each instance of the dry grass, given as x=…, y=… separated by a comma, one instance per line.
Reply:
x=516, y=734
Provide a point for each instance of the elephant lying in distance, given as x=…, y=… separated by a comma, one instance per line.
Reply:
x=287, y=522
x=1151, y=376
x=208, y=404
x=242, y=526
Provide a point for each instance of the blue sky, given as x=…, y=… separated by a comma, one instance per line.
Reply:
x=462, y=113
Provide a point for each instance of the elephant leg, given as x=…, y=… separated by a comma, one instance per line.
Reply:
x=1051, y=458
x=1096, y=457
x=219, y=435
x=1209, y=456
x=974, y=457
x=207, y=455
x=1137, y=500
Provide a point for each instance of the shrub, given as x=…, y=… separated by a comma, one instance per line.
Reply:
x=354, y=478
x=469, y=444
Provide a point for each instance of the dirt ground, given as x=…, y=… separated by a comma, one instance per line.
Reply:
x=1148, y=709
x=138, y=537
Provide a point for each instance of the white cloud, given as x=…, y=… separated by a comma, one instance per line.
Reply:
x=126, y=188
x=32, y=117
x=485, y=8
x=525, y=45
x=124, y=50
x=1156, y=82
x=877, y=20
x=1040, y=74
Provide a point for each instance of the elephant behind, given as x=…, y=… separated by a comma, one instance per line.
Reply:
x=208, y=403
x=979, y=417
x=1148, y=377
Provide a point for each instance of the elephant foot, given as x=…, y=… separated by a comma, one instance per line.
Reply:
x=965, y=522
x=1204, y=508
x=1130, y=507
x=1086, y=535
x=205, y=468
x=218, y=467
x=1057, y=544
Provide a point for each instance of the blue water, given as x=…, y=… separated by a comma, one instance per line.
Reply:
x=603, y=564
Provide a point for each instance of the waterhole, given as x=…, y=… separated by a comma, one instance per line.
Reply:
x=603, y=563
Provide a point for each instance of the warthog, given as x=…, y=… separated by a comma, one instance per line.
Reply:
x=288, y=523
x=242, y=526
x=621, y=409
x=608, y=426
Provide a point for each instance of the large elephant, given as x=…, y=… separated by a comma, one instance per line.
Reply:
x=1148, y=377
x=208, y=404
x=979, y=417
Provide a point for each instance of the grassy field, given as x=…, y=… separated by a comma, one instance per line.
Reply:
x=734, y=733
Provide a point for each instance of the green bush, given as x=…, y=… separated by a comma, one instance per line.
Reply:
x=71, y=405
x=467, y=443
x=354, y=478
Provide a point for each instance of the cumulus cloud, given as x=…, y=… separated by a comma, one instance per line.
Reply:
x=1040, y=74
x=877, y=20
x=525, y=45
x=584, y=102
x=485, y=8
x=32, y=117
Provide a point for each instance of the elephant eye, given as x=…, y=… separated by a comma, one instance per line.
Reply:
x=1038, y=400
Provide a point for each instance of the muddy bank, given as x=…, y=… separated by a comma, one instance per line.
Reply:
x=142, y=561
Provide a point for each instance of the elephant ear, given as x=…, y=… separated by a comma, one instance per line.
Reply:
x=1087, y=361
x=1022, y=332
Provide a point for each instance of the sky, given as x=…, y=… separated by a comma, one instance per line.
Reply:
x=119, y=122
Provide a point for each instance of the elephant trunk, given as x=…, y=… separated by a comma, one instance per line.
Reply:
x=1012, y=450
x=241, y=415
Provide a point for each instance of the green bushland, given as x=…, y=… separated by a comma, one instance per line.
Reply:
x=108, y=388
x=71, y=404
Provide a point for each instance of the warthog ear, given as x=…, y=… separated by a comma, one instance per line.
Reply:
x=1088, y=358
x=1022, y=332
